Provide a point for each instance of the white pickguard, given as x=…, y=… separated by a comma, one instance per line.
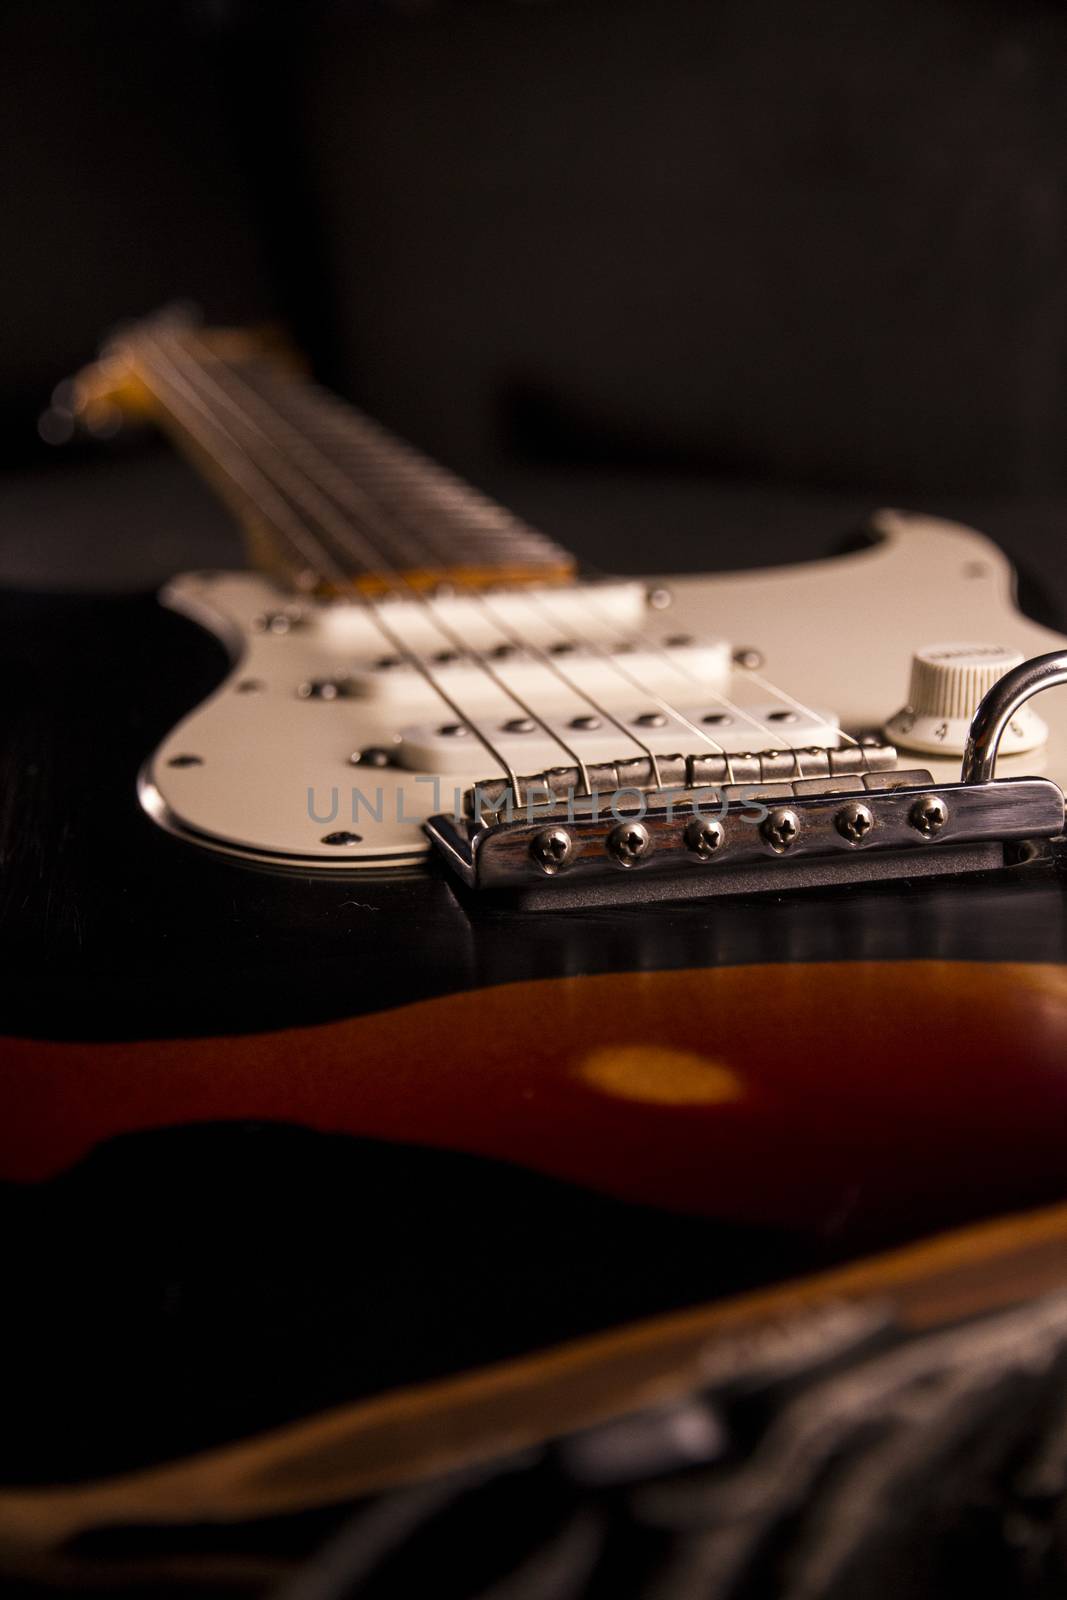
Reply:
x=837, y=634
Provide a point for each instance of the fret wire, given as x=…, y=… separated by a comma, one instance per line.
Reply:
x=396, y=642
x=353, y=489
x=564, y=677
x=395, y=470
x=449, y=633
x=417, y=483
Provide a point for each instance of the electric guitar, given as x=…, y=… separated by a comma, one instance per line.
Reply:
x=450, y=992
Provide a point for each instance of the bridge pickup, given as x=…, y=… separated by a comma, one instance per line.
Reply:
x=743, y=838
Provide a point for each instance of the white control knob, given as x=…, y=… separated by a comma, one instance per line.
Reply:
x=947, y=683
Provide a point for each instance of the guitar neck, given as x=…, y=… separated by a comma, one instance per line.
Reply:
x=329, y=500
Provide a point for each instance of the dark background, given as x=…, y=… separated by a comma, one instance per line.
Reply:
x=691, y=283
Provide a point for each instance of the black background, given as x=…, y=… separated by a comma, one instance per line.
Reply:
x=692, y=283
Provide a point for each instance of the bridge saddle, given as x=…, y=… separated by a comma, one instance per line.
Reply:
x=696, y=835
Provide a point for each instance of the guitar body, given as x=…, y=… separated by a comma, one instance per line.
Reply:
x=334, y=1155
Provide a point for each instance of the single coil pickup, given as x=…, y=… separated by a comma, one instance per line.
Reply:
x=493, y=797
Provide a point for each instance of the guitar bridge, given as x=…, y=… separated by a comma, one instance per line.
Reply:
x=558, y=847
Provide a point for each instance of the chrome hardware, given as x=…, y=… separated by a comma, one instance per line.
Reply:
x=374, y=756
x=663, y=729
x=928, y=815
x=703, y=836
x=812, y=765
x=551, y=849
x=854, y=822
x=341, y=837
x=666, y=844
x=1000, y=705
x=325, y=689
x=659, y=599
x=780, y=829
x=280, y=621
x=452, y=730
x=748, y=658
x=520, y=725
x=629, y=844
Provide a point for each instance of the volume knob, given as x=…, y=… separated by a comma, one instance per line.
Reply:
x=947, y=683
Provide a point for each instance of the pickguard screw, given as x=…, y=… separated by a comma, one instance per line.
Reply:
x=323, y=689
x=186, y=761
x=520, y=725
x=748, y=657
x=928, y=815
x=280, y=622
x=453, y=730
x=342, y=836
x=650, y=719
x=629, y=844
x=780, y=829
x=551, y=849
x=659, y=599
x=703, y=836
x=854, y=822
x=375, y=755
x=585, y=724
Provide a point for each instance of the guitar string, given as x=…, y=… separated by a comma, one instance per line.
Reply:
x=431, y=546
x=529, y=646
x=345, y=531
x=346, y=534
x=353, y=537
x=776, y=692
x=664, y=705
x=798, y=705
x=731, y=706
x=773, y=689
x=252, y=483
